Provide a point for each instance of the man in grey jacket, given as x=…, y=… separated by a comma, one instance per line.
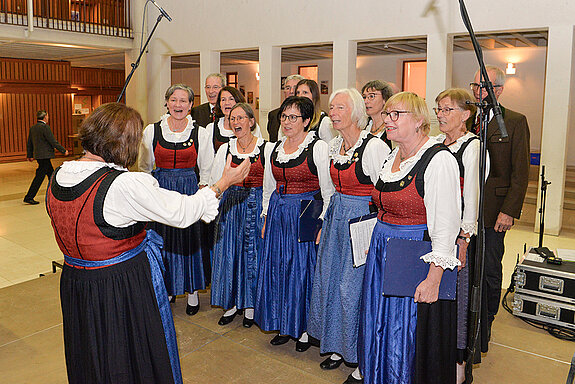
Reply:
x=40, y=146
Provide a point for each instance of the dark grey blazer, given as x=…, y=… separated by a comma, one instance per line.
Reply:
x=202, y=115
x=273, y=124
x=508, y=177
x=41, y=142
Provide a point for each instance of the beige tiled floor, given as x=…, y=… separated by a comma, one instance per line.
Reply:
x=31, y=345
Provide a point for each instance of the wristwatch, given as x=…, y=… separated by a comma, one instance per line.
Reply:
x=467, y=239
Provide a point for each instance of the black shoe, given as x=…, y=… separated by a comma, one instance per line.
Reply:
x=173, y=299
x=248, y=322
x=328, y=363
x=352, y=380
x=280, y=339
x=224, y=320
x=31, y=201
x=191, y=310
x=300, y=346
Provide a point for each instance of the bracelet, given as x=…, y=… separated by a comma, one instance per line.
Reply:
x=218, y=190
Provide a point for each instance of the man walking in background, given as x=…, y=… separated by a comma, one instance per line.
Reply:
x=40, y=146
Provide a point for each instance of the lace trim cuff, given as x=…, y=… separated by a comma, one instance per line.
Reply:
x=443, y=261
x=284, y=158
x=470, y=229
x=335, y=147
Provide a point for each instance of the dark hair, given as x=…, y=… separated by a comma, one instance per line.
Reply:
x=113, y=131
x=237, y=95
x=249, y=112
x=381, y=86
x=303, y=104
x=315, y=95
x=41, y=114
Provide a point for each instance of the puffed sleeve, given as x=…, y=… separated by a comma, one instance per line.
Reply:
x=269, y=180
x=137, y=196
x=146, y=155
x=326, y=131
x=257, y=131
x=376, y=151
x=442, y=199
x=205, y=155
x=219, y=164
x=321, y=160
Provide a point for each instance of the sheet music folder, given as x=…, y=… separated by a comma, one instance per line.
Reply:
x=309, y=221
x=404, y=270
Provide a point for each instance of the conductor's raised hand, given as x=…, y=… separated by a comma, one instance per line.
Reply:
x=232, y=175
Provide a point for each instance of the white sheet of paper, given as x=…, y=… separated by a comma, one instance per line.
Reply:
x=360, y=233
x=534, y=257
x=566, y=254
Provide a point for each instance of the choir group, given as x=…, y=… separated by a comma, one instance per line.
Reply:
x=227, y=209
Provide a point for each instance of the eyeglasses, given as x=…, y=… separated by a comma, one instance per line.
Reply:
x=289, y=88
x=370, y=96
x=474, y=86
x=393, y=115
x=291, y=118
x=239, y=119
x=214, y=87
x=446, y=111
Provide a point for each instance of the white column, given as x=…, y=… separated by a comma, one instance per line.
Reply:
x=556, y=119
x=344, y=64
x=209, y=63
x=270, y=82
x=159, y=80
x=439, y=65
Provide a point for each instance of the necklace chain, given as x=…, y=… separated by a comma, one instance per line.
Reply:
x=412, y=151
x=244, y=148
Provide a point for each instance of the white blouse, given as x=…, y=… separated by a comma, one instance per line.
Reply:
x=257, y=132
x=220, y=160
x=137, y=196
x=373, y=157
x=442, y=201
x=321, y=160
x=470, y=160
x=146, y=160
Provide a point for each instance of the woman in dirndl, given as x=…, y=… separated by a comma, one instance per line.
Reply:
x=454, y=108
x=238, y=228
x=117, y=322
x=297, y=172
x=412, y=339
x=177, y=152
x=356, y=157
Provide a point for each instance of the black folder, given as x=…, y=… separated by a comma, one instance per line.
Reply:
x=404, y=269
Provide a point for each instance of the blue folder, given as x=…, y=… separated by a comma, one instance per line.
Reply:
x=404, y=269
x=309, y=221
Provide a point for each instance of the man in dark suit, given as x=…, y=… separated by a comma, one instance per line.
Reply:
x=40, y=146
x=273, y=120
x=203, y=113
x=505, y=186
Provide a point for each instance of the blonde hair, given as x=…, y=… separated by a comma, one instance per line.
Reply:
x=412, y=103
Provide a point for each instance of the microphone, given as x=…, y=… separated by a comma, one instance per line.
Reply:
x=164, y=13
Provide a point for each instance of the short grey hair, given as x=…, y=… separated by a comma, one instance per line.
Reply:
x=499, y=74
x=294, y=77
x=170, y=91
x=358, y=114
x=219, y=76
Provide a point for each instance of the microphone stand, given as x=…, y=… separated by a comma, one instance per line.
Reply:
x=543, y=251
x=484, y=107
x=137, y=62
